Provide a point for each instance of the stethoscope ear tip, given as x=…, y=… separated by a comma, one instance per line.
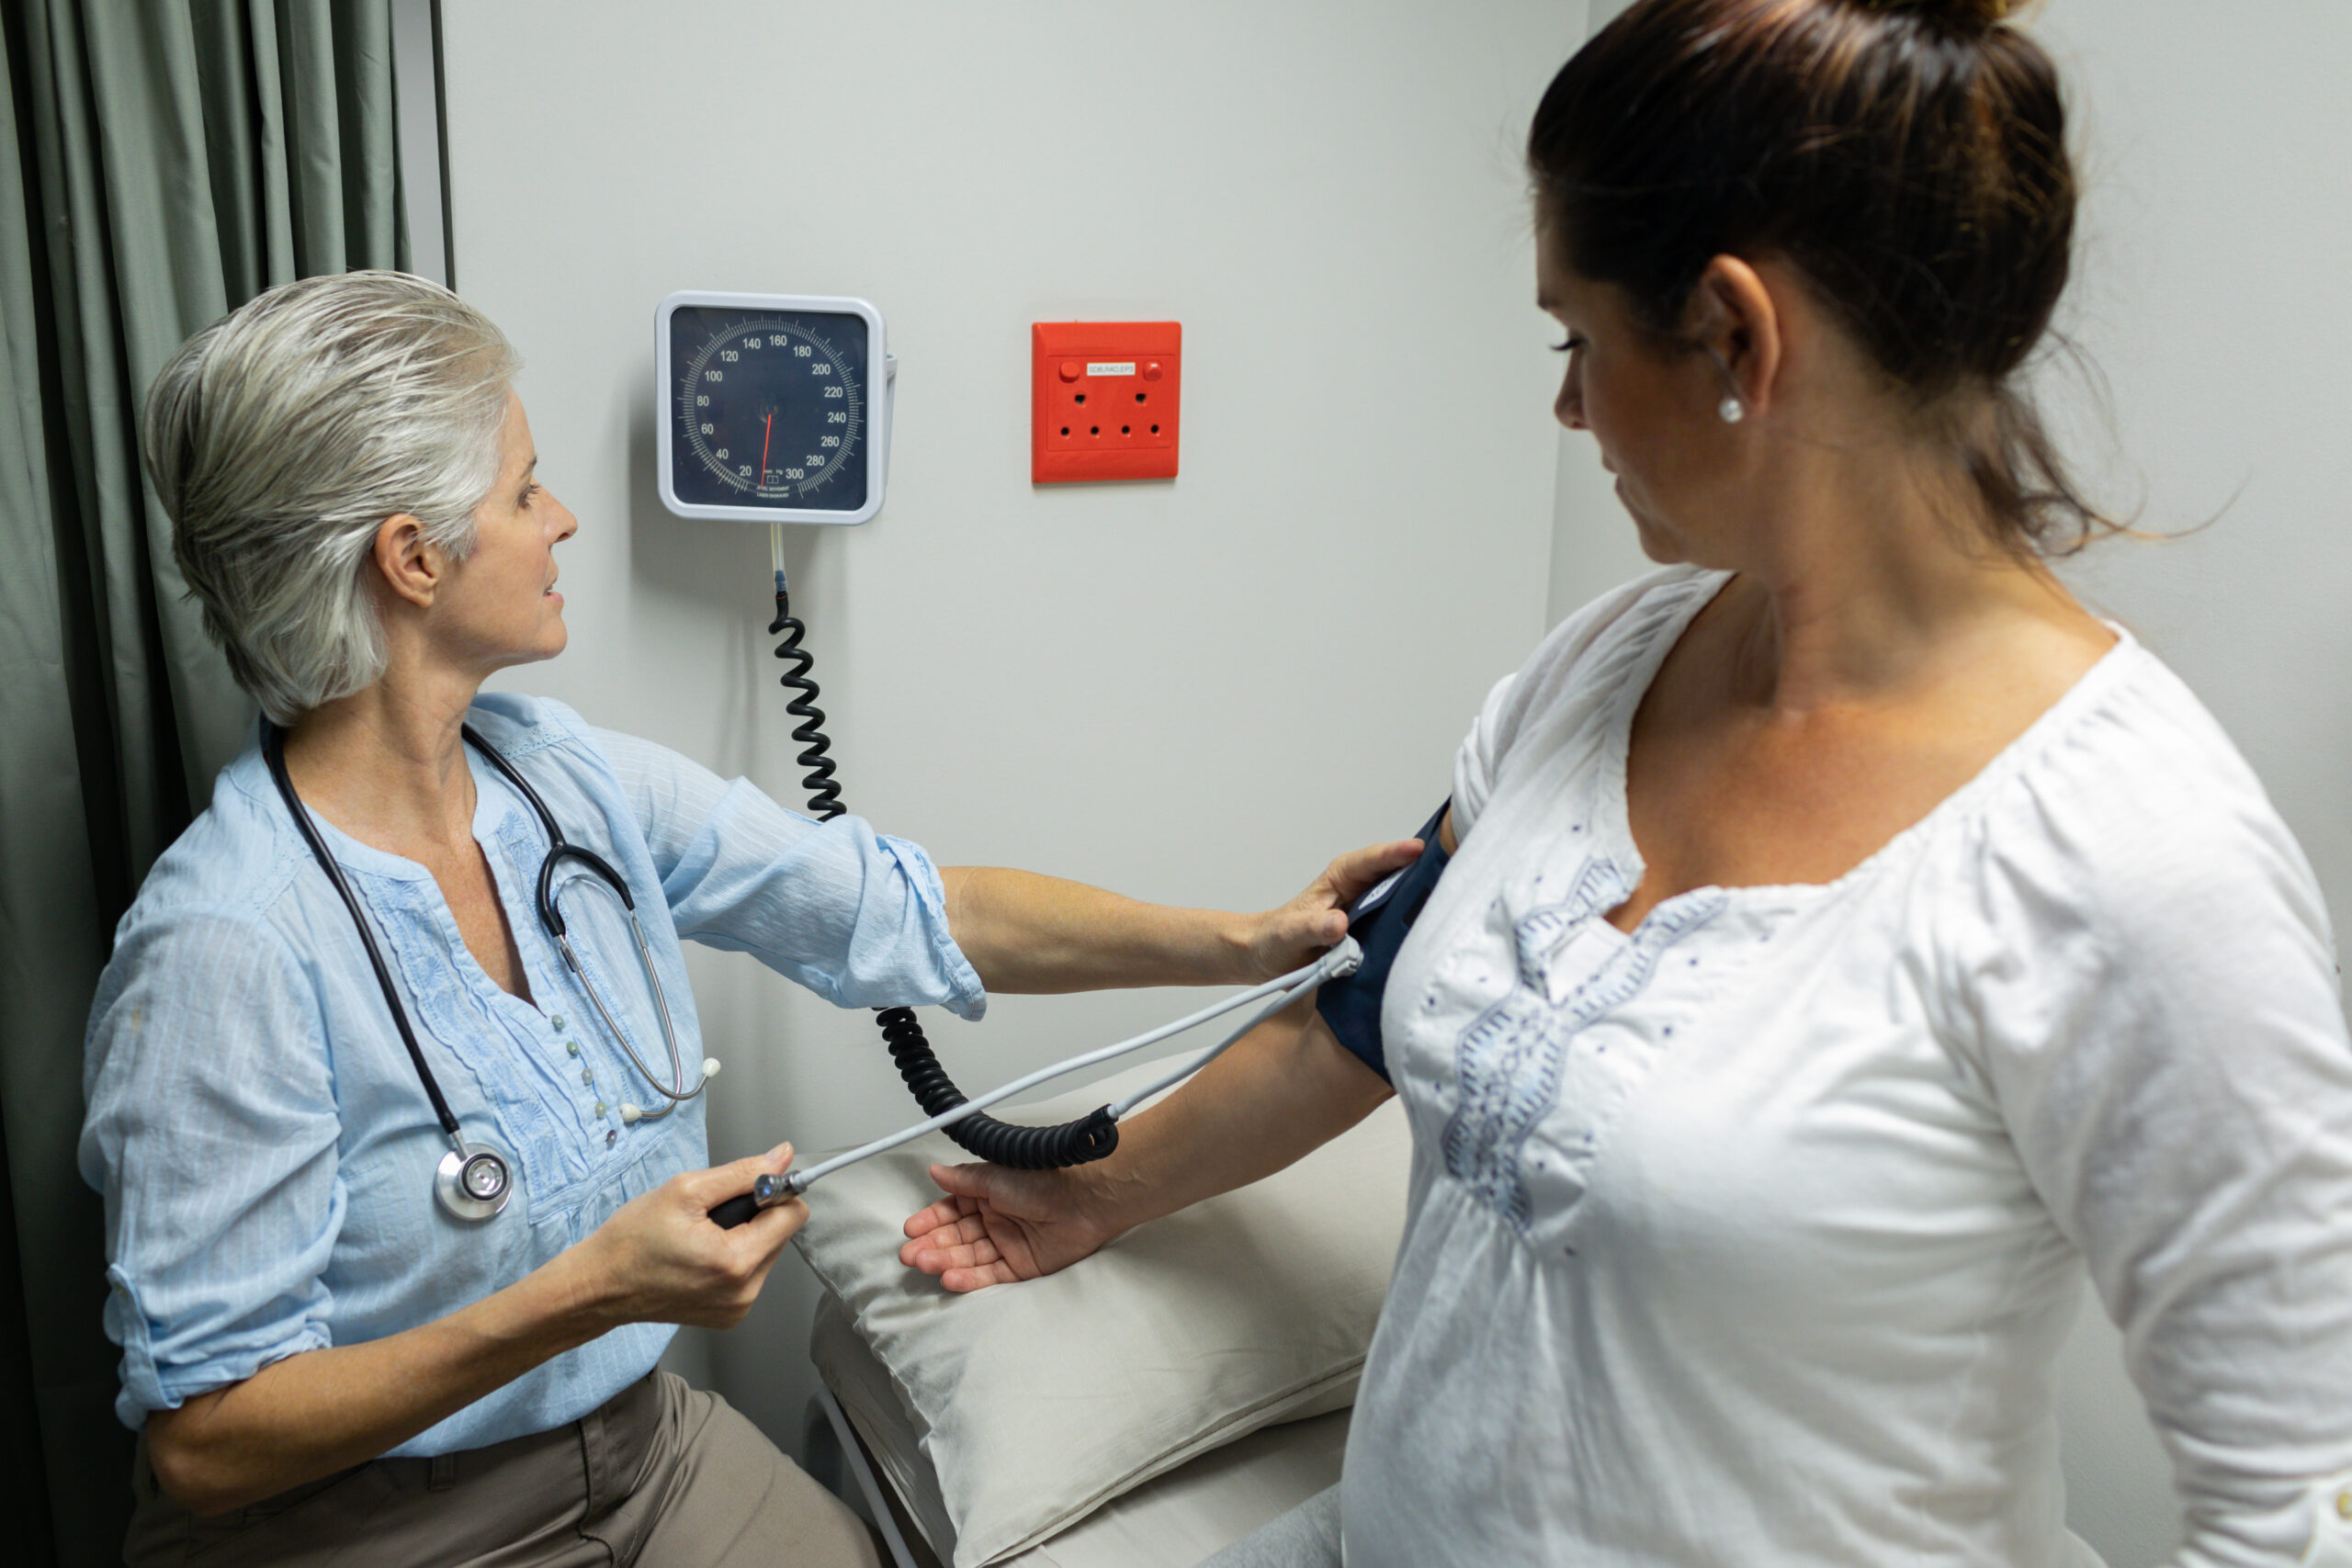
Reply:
x=709, y=1067
x=631, y=1113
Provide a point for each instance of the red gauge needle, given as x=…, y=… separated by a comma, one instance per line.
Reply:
x=767, y=428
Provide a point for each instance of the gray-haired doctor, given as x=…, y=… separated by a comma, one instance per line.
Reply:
x=346, y=1329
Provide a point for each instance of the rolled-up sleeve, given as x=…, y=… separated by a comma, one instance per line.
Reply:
x=212, y=1130
x=857, y=917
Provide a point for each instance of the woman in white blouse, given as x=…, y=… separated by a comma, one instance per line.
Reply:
x=1849, y=939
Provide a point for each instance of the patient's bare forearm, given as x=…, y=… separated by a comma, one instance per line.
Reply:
x=1285, y=1089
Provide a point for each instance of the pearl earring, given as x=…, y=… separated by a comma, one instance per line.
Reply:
x=1731, y=411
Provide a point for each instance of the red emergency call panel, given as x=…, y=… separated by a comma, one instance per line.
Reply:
x=1103, y=399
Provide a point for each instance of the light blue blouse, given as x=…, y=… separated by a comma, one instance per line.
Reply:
x=265, y=1147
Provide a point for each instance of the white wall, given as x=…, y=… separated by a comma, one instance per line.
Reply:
x=1194, y=690
x=2216, y=217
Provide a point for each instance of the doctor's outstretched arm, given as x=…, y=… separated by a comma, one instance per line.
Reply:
x=1028, y=933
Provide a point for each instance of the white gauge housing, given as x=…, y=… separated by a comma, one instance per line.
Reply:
x=771, y=341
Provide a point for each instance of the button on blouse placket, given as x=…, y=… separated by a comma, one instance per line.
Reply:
x=571, y=1048
x=587, y=1076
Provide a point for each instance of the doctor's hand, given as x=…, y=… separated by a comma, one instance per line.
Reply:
x=660, y=1260
x=996, y=1225
x=1294, y=934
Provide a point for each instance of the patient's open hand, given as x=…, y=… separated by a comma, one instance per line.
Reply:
x=998, y=1225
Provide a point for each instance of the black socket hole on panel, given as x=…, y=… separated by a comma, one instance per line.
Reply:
x=1126, y=430
x=1154, y=430
x=1082, y=397
x=1138, y=396
x=1094, y=430
x=1065, y=430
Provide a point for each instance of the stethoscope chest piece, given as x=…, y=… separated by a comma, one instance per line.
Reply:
x=474, y=1182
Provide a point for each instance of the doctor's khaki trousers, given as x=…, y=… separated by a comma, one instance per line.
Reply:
x=661, y=1475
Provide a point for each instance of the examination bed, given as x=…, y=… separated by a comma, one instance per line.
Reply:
x=1147, y=1405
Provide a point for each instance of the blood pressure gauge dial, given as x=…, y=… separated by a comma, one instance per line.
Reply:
x=775, y=408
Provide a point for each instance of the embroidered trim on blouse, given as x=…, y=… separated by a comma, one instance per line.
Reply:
x=1510, y=1060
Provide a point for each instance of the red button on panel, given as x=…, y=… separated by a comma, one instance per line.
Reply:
x=1103, y=399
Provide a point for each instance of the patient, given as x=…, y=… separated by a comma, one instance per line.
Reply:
x=1846, y=938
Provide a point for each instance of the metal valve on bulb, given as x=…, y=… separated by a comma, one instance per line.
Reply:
x=632, y=1113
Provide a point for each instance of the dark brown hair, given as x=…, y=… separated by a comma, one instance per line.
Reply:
x=1907, y=156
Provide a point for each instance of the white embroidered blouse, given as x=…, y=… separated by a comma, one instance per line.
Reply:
x=1750, y=1238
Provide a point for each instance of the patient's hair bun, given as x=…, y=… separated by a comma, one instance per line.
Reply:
x=1965, y=13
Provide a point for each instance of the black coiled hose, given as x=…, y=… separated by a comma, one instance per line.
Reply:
x=1000, y=1143
x=816, y=767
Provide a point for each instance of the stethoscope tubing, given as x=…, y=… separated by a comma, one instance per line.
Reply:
x=1285, y=990
x=273, y=751
x=560, y=849
x=475, y=1180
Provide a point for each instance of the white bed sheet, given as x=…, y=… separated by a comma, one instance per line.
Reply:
x=1171, y=1521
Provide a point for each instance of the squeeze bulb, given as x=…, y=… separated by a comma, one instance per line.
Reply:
x=710, y=1066
x=631, y=1113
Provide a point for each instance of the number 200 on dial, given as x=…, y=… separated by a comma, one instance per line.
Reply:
x=769, y=409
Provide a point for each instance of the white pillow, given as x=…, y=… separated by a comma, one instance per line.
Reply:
x=1038, y=1403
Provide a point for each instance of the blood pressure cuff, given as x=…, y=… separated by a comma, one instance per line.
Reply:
x=1350, y=1005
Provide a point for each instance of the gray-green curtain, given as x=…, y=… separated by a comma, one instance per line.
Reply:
x=161, y=162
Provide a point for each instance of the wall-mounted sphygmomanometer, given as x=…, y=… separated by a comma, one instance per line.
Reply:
x=769, y=412
x=776, y=408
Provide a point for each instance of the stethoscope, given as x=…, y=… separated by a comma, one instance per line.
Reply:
x=475, y=1179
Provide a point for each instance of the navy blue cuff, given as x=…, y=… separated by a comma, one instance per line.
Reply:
x=1350, y=1005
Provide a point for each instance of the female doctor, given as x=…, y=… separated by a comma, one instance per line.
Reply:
x=1850, y=941
x=397, y=1110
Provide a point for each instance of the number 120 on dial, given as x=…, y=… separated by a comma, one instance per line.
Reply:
x=770, y=408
